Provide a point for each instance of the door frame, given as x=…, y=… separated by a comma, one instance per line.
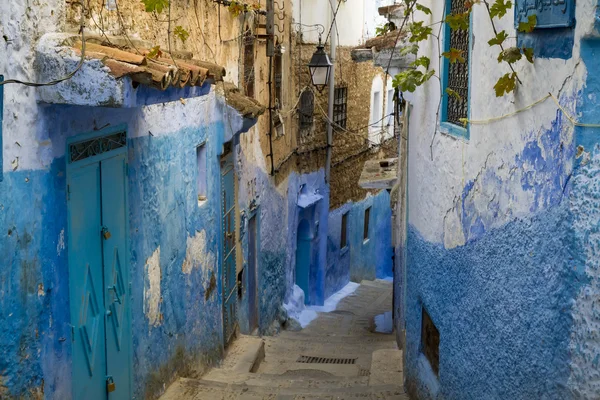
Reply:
x=71, y=165
x=228, y=151
x=254, y=213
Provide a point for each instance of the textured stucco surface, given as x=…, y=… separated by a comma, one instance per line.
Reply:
x=501, y=246
x=174, y=248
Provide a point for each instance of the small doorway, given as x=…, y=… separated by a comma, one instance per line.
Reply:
x=303, y=256
x=228, y=266
x=99, y=286
x=252, y=272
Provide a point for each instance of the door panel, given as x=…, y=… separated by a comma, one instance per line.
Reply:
x=116, y=276
x=303, y=257
x=229, y=257
x=252, y=273
x=85, y=284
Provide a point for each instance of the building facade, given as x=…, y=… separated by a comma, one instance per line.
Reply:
x=161, y=198
x=499, y=278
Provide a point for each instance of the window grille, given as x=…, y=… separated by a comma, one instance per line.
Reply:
x=306, y=109
x=340, y=106
x=458, y=73
x=249, y=64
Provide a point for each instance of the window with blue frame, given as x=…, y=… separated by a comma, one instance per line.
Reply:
x=455, y=79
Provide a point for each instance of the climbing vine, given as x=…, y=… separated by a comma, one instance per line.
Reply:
x=410, y=79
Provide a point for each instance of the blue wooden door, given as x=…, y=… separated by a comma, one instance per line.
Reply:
x=98, y=268
x=116, y=276
x=252, y=273
x=228, y=267
x=303, y=257
x=85, y=284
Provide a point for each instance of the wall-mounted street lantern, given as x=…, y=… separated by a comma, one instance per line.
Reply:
x=319, y=67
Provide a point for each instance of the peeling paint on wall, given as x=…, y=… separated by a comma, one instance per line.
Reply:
x=152, y=295
x=198, y=255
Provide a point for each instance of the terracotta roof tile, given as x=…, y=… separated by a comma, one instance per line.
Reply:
x=161, y=73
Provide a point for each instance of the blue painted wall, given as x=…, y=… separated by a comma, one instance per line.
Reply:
x=361, y=259
x=500, y=302
x=372, y=258
x=34, y=294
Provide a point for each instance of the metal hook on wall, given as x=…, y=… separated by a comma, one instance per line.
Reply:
x=282, y=9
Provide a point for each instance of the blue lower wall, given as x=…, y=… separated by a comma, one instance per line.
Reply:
x=501, y=304
x=361, y=259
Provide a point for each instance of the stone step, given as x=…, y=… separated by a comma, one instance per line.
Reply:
x=292, y=378
x=386, y=368
x=244, y=354
x=193, y=389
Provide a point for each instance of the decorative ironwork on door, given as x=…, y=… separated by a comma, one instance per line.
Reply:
x=89, y=148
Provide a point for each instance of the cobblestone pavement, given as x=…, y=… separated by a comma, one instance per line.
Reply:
x=338, y=356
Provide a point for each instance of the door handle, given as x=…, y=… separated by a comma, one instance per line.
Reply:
x=114, y=290
x=106, y=233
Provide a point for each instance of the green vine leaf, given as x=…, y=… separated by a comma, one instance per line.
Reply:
x=510, y=55
x=528, y=53
x=454, y=55
x=422, y=61
x=155, y=5
x=236, y=8
x=412, y=49
x=181, y=33
x=423, y=9
x=500, y=8
x=529, y=26
x=499, y=39
x=453, y=93
x=409, y=80
x=458, y=21
x=506, y=84
x=154, y=52
x=419, y=32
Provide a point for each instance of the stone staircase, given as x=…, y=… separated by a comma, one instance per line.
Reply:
x=336, y=357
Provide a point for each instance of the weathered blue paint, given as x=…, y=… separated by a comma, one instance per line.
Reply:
x=583, y=201
x=371, y=258
x=549, y=14
x=34, y=304
x=338, y=259
x=163, y=212
x=361, y=259
x=508, y=291
x=501, y=305
x=1, y=117
x=549, y=43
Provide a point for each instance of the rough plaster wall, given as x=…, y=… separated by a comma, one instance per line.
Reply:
x=584, y=345
x=21, y=26
x=468, y=199
x=152, y=298
x=456, y=161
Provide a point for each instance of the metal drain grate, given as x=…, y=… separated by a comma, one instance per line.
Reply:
x=325, y=360
x=364, y=372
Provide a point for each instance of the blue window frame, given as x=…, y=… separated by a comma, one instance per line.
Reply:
x=456, y=76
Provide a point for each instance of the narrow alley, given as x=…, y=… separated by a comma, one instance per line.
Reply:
x=339, y=355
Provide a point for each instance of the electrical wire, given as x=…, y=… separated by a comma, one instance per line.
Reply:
x=333, y=20
x=68, y=76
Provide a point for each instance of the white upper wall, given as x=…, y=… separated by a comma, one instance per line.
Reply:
x=448, y=164
x=356, y=19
